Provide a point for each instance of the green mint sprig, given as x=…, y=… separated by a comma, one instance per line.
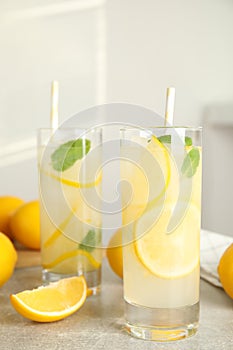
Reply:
x=167, y=139
x=90, y=241
x=191, y=162
x=68, y=153
x=192, y=158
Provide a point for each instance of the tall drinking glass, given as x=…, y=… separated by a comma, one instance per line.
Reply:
x=70, y=213
x=161, y=194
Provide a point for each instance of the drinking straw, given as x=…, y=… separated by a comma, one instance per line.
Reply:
x=169, y=110
x=54, y=105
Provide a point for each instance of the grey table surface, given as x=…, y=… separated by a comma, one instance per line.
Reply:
x=99, y=323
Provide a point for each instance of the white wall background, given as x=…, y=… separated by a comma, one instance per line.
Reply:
x=153, y=44
x=116, y=50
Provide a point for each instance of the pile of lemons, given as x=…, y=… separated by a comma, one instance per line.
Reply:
x=19, y=224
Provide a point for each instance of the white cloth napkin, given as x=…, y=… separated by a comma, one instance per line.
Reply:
x=213, y=246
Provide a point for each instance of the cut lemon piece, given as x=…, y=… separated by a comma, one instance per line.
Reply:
x=53, y=302
x=162, y=156
x=167, y=185
x=172, y=255
x=70, y=181
x=73, y=175
x=149, y=178
x=70, y=261
x=58, y=232
x=66, y=181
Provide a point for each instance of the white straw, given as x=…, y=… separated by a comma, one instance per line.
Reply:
x=54, y=105
x=170, y=103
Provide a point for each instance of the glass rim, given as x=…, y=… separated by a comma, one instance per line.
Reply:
x=47, y=135
x=123, y=128
x=151, y=127
x=68, y=128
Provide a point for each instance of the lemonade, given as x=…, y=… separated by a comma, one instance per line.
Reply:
x=161, y=235
x=70, y=218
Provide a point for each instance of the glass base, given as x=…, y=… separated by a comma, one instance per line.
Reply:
x=161, y=325
x=93, y=278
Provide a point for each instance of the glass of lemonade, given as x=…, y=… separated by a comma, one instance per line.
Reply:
x=161, y=199
x=70, y=214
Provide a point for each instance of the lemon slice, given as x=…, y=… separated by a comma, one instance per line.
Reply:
x=53, y=302
x=171, y=255
x=149, y=182
x=162, y=156
x=69, y=178
x=58, y=232
x=73, y=260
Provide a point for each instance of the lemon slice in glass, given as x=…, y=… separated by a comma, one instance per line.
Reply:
x=149, y=179
x=169, y=255
x=71, y=261
x=163, y=158
x=70, y=177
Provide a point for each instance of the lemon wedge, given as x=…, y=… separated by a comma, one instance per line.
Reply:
x=52, y=302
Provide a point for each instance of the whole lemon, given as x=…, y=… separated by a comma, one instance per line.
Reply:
x=225, y=270
x=114, y=253
x=8, y=258
x=25, y=225
x=8, y=204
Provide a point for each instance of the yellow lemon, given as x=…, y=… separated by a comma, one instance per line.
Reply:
x=8, y=204
x=8, y=258
x=225, y=270
x=52, y=302
x=114, y=253
x=25, y=225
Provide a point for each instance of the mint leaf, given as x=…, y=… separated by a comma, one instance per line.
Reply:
x=191, y=162
x=188, y=141
x=68, y=153
x=167, y=139
x=164, y=138
x=90, y=241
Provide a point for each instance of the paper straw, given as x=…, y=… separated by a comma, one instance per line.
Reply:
x=170, y=102
x=54, y=105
